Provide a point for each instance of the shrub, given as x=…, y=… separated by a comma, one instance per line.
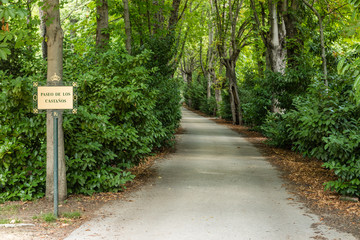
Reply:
x=275, y=129
x=324, y=124
x=225, y=107
x=22, y=137
x=116, y=125
x=122, y=117
x=255, y=99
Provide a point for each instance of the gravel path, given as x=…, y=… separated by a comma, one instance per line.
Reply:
x=216, y=186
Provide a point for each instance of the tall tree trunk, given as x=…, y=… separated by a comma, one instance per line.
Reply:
x=217, y=89
x=323, y=52
x=55, y=67
x=275, y=47
x=277, y=51
x=127, y=25
x=148, y=17
x=102, y=20
x=159, y=16
x=43, y=33
x=234, y=94
x=294, y=43
x=210, y=55
x=174, y=14
x=28, y=8
x=322, y=40
x=228, y=27
x=208, y=85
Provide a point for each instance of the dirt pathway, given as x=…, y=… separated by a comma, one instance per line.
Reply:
x=216, y=186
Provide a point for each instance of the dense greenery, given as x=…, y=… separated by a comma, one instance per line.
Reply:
x=22, y=136
x=309, y=105
x=293, y=82
x=324, y=124
x=117, y=124
x=129, y=107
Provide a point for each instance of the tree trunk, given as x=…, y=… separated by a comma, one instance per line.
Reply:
x=188, y=77
x=322, y=40
x=276, y=49
x=210, y=55
x=55, y=67
x=217, y=88
x=208, y=86
x=234, y=94
x=28, y=8
x=43, y=33
x=148, y=17
x=102, y=20
x=127, y=25
x=296, y=44
x=159, y=17
x=174, y=14
x=323, y=53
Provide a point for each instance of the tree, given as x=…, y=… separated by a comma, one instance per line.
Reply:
x=294, y=38
x=275, y=24
x=127, y=25
x=322, y=41
x=102, y=20
x=208, y=68
x=326, y=9
x=233, y=32
x=54, y=36
x=43, y=32
x=187, y=66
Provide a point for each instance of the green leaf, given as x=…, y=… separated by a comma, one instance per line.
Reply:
x=357, y=83
x=340, y=66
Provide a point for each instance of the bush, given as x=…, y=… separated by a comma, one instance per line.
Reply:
x=167, y=105
x=255, y=99
x=324, y=124
x=208, y=106
x=122, y=117
x=225, y=107
x=117, y=124
x=345, y=154
x=22, y=141
x=195, y=94
x=276, y=130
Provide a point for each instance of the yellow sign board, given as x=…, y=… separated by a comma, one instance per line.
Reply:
x=55, y=97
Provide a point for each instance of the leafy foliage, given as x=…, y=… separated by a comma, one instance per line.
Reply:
x=324, y=124
x=255, y=99
x=162, y=82
x=195, y=95
x=12, y=14
x=257, y=92
x=348, y=64
x=22, y=137
x=118, y=123
x=275, y=128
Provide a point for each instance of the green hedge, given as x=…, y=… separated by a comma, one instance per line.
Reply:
x=325, y=125
x=118, y=123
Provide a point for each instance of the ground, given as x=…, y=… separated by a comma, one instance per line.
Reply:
x=34, y=212
x=303, y=177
